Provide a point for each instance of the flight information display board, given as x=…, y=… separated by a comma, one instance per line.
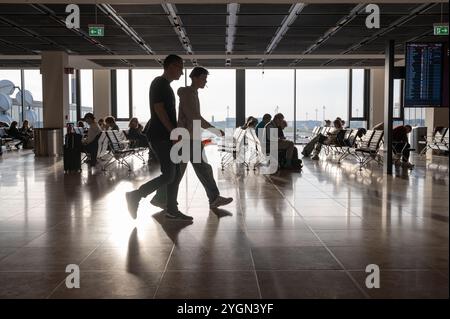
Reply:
x=423, y=74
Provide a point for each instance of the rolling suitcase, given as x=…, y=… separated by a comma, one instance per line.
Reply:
x=72, y=153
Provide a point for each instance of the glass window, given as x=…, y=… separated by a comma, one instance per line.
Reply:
x=218, y=98
x=270, y=91
x=357, y=93
x=142, y=78
x=33, y=84
x=414, y=116
x=321, y=95
x=15, y=112
x=397, y=98
x=123, y=100
x=72, y=97
x=86, y=91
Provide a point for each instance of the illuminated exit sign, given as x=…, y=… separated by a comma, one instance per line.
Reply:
x=96, y=30
x=441, y=29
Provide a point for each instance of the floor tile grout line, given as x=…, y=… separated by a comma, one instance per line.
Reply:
x=81, y=262
x=163, y=272
x=250, y=249
x=355, y=282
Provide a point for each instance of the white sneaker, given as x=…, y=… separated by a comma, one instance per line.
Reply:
x=220, y=201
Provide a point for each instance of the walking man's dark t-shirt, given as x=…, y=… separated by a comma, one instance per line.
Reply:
x=161, y=92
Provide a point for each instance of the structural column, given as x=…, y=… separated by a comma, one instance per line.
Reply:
x=102, y=93
x=240, y=97
x=55, y=89
x=376, y=103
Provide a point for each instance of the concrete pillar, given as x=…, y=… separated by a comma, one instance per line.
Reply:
x=240, y=97
x=376, y=97
x=435, y=117
x=102, y=93
x=55, y=89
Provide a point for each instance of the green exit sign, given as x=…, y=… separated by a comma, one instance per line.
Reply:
x=441, y=29
x=96, y=30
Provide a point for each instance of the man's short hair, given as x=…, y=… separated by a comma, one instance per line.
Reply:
x=198, y=71
x=171, y=59
x=267, y=117
x=408, y=127
x=278, y=116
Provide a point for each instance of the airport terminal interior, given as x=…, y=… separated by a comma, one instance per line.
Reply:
x=356, y=221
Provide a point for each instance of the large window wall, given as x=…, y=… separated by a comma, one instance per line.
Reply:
x=271, y=91
x=86, y=92
x=321, y=94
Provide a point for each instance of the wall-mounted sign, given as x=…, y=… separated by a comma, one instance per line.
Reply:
x=441, y=29
x=96, y=30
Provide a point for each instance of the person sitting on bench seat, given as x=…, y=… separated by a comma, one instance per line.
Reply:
x=90, y=143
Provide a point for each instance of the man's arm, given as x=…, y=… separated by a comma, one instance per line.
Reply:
x=163, y=117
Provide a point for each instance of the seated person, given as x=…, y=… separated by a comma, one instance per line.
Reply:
x=281, y=130
x=401, y=144
x=284, y=145
x=250, y=123
x=110, y=124
x=330, y=139
x=266, y=119
x=101, y=124
x=90, y=143
x=27, y=133
x=135, y=134
x=14, y=132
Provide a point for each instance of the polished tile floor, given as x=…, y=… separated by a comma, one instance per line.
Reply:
x=290, y=235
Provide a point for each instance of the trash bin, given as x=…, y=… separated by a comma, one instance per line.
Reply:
x=417, y=135
x=48, y=141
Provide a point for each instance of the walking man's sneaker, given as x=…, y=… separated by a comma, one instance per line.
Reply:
x=178, y=216
x=220, y=201
x=157, y=203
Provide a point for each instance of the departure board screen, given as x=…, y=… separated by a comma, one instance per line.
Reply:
x=423, y=76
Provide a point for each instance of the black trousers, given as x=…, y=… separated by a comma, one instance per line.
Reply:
x=169, y=180
x=404, y=149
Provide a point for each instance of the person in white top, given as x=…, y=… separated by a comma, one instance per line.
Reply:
x=188, y=112
x=90, y=144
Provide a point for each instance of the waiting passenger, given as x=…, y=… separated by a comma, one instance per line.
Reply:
x=110, y=124
x=14, y=132
x=330, y=139
x=266, y=119
x=90, y=143
x=135, y=135
x=251, y=122
x=284, y=145
x=27, y=133
x=401, y=145
x=101, y=124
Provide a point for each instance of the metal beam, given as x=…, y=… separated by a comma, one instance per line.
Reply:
x=294, y=11
x=177, y=24
x=33, y=34
x=388, y=106
x=52, y=15
x=114, y=16
x=232, y=18
x=411, y=15
x=332, y=31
